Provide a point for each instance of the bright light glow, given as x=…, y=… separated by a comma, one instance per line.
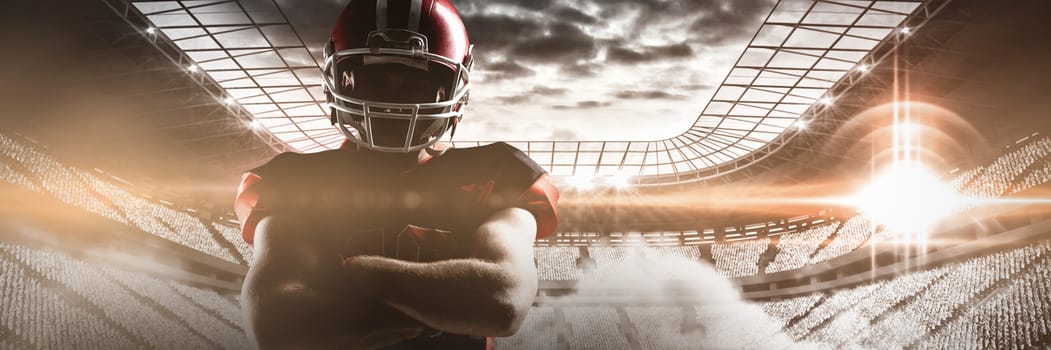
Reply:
x=151, y=30
x=582, y=182
x=908, y=198
x=906, y=30
x=863, y=68
x=801, y=124
x=229, y=100
x=192, y=68
x=255, y=124
x=826, y=101
x=907, y=128
x=620, y=181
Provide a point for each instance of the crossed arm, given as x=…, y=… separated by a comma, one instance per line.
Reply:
x=289, y=294
x=486, y=295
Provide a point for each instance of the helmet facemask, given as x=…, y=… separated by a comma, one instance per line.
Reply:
x=395, y=96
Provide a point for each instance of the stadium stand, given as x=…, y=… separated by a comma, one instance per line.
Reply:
x=615, y=255
x=557, y=263
x=789, y=309
x=1000, y=299
x=233, y=235
x=1012, y=318
x=851, y=235
x=100, y=310
x=739, y=258
x=212, y=301
x=997, y=178
x=594, y=327
x=87, y=191
x=659, y=327
x=536, y=333
x=796, y=248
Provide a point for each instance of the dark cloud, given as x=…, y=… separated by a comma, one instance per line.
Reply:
x=649, y=53
x=623, y=55
x=562, y=42
x=696, y=87
x=548, y=91
x=505, y=70
x=584, y=105
x=528, y=96
x=526, y=4
x=530, y=4
x=649, y=95
x=592, y=104
x=580, y=70
x=717, y=21
x=736, y=20
x=529, y=39
x=491, y=32
x=515, y=99
x=569, y=14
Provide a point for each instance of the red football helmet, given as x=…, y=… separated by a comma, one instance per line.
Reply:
x=420, y=43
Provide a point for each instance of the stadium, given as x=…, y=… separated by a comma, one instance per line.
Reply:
x=854, y=174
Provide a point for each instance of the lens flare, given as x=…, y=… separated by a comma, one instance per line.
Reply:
x=582, y=182
x=908, y=197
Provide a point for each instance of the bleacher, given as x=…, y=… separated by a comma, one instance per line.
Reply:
x=740, y=258
x=85, y=190
x=51, y=299
x=795, y=249
x=1024, y=166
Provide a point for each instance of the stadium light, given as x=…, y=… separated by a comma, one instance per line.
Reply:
x=255, y=124
x=826, y=101
x=582, y=182
x=619, y=180
x=802, y=124
x=229, y=100
x=151, y=30
x=906, y=30
x=863, y=68
x=192, y=68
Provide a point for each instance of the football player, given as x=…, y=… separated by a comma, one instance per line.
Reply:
x=393, y=240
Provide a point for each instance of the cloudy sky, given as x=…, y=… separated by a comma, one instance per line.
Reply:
x=580, y=69
x=599, y=69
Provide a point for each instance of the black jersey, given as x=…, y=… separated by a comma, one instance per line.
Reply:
x=420, y=211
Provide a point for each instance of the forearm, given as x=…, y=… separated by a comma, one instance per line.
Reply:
x=462, y=296
x=284, y=313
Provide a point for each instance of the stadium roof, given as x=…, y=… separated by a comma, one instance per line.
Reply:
x=803, y=55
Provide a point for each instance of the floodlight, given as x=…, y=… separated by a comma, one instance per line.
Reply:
x=582, y=182
x=619, y=180
x=907, y=197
